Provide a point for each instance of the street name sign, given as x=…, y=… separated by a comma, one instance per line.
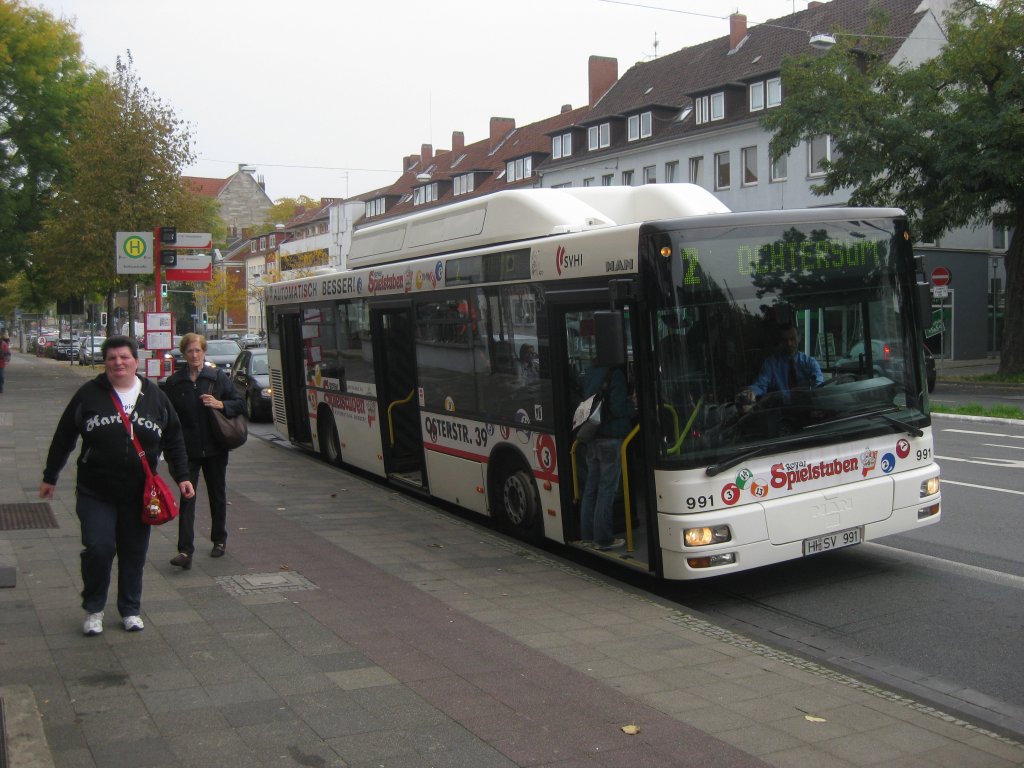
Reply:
x=195, y=241
x=191, y=267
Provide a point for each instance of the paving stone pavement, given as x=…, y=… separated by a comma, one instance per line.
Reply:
x=350, y=625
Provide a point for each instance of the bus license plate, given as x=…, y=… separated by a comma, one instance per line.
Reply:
x=831, y=541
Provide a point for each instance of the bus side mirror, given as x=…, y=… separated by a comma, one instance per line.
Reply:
x=610, y=338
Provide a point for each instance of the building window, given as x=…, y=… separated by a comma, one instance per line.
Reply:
x=650, y=175
x=599, y=136
x=639, y=126
x=697, y=170
x=462, y=185
x=756, y=96
x=779, y=170
x=627, y=178
x=588, y=182
x=710, y=108
x=748, y=156
x=272, y=239
x=561, y=146
x=819, y=150
x=1001, y=237
x=425, y=194
x=774, y=90
x=722, y=170
x=263, y=243
x=672, y=172
x=607, y=179
x=519, y=169
x=252, y=246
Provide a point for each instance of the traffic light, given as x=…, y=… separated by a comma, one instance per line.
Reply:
x=163, y=290
x=103, y=319
x=206, y=318
x=168, y=258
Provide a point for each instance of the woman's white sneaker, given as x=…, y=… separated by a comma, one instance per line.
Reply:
x=93, y=624
x=133, y=624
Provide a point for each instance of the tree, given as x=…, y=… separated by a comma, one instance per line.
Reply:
x=125, y=175
x=42, y=79
x=942, y=140
x=284, y=210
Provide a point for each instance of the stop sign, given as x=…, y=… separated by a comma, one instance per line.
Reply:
x=941, y=276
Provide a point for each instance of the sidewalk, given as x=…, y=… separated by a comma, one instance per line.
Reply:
x=350, y=625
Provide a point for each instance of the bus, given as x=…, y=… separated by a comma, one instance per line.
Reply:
x=448, y=356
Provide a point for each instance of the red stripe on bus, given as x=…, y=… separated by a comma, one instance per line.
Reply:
x=538, y=473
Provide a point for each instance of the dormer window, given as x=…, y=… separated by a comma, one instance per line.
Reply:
x=639, y=126
x=767, y=93
x=463, y=185
x=375, y=207
x=599, y=136
x=710, y=108
x=561, y=146
x=425, y=194
x=519, y=169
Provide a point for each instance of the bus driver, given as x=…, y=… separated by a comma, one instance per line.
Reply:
x=784, y=370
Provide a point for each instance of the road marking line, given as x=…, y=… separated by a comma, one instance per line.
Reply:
x=985, y=460
x=944, y=481
x=985, y=574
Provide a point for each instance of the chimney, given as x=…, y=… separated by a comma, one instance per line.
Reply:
x=566, y=108
x=427, y=154
x=458, y=141
x=737, y=30
x=500, y=128
x=602, y=72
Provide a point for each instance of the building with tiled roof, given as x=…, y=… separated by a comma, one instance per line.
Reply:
x=243, y=199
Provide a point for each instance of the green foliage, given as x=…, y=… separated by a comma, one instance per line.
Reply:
x=942, y=140
x=284, y=210
x=973, y=409
x=42, y=81
x=125, y=175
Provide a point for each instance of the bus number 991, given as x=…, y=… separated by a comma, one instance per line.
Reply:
x=700, y=502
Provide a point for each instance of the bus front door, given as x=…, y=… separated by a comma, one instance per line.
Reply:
x=397, y=392
x=574, y=351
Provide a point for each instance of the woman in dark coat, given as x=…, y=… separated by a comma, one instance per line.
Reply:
x=111, y=477
x=193, y=392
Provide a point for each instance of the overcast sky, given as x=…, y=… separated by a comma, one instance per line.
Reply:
x=325, y=97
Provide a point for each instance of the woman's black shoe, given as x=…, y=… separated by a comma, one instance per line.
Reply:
x=218, y=550
x=182, y=560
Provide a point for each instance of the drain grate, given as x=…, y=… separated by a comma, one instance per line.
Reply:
x=20, y=517
x=260, y=583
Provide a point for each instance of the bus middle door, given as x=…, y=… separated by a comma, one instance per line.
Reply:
x=397, y=392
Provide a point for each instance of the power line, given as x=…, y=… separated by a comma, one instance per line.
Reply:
x=303, y=167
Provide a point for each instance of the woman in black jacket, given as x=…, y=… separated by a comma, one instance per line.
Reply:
x=111, y=477
x=193, y=391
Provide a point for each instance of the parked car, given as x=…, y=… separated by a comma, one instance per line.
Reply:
x=90, y=350
x=220, y=353
x=46, y=343
x=250, y=340
x=66, y=347
x=251, y=376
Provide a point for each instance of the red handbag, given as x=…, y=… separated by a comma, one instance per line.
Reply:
x=158, y=505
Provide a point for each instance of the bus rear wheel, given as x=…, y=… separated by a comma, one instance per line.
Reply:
x=519, y=506
x=330, y=443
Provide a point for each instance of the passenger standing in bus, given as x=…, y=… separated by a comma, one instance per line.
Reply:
x=529, y=363
x=604, y=465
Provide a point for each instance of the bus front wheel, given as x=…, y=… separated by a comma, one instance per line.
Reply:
x=330, y=443
x=519, y=506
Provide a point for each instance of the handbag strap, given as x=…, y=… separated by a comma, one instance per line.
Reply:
x=131, y=433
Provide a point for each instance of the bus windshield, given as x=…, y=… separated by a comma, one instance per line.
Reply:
x=771, y=337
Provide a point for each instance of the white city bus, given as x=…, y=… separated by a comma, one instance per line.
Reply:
x=414, y=364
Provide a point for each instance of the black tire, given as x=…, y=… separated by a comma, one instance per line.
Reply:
x=330, y=443
x=518, y=503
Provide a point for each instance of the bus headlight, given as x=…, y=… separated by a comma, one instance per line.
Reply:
x=702, y=537
x=930, y=486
